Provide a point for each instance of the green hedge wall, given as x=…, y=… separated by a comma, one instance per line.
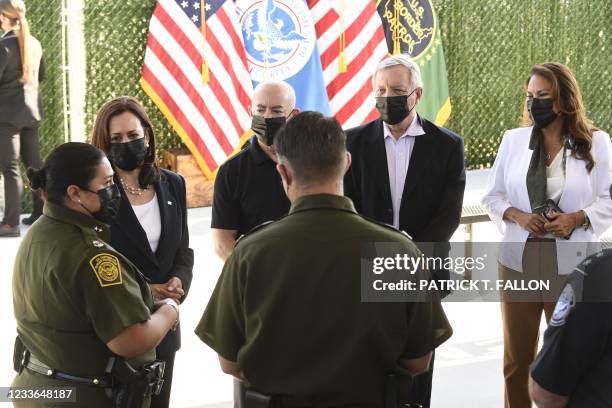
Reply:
x=489, y=48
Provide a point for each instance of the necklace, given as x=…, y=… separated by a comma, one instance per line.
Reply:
x=548, y=156
x=563, y=157
x=132, y=190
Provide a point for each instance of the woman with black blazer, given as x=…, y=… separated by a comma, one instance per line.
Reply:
x=151, y=226
x=21, y=70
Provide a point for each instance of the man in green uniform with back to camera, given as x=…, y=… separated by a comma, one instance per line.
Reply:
x=286, y=315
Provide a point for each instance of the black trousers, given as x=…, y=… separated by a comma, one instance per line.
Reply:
x=163, y=399
x=420, y=392
x=16, y=142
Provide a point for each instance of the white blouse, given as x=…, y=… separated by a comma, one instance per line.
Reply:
x=555, y=179
x=150, y=219
x=581, y=191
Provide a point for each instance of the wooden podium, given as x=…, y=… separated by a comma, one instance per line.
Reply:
x=199, y=188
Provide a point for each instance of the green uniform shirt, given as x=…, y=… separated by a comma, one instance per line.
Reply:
x=72, y=293
x=287, y=308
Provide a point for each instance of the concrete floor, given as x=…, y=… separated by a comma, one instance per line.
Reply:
x=468, y=369
x=468, y=366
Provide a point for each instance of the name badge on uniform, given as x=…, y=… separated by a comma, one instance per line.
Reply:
x=107, y=269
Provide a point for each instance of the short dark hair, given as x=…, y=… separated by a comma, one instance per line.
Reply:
x=313, y=145
x=69, y=164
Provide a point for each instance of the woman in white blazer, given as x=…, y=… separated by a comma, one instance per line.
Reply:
x=559, y=158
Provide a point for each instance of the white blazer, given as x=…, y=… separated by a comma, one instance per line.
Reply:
x=583, y=191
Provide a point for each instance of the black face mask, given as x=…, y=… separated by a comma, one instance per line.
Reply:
x=110, y=200
x=393, y=109
x=266, y=128
x=128, y=156
x=541, y=111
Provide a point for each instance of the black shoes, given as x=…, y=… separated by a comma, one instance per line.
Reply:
x=7, y=230
x=30, y=220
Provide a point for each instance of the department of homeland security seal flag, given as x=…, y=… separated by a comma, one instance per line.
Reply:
x=204, y=56
x=280, y=42
x=411, y=27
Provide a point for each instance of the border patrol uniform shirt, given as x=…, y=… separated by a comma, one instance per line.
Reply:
x=287, y=307
x=248, y=191
x=576, y=358
x=72, y=293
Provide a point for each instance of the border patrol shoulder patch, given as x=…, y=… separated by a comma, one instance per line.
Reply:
x=107, y=269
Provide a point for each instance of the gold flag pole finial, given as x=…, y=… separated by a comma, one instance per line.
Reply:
x=205, y=73
x=396, y=38
x=342, y=56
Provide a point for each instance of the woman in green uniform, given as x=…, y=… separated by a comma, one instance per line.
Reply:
x=77, y=301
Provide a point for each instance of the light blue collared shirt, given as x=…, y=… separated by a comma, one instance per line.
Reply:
x=398, y=159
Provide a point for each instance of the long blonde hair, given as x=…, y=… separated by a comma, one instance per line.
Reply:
x=15, y=10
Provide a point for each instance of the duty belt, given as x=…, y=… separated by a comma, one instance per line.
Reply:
x=36, y=366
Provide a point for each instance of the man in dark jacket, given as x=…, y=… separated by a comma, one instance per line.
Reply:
x=406, y=171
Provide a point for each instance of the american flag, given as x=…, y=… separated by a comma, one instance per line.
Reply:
x=198, y=76
x=356, y=27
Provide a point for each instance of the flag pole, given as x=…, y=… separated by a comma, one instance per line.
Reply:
x=342, y=68
x=205, y=73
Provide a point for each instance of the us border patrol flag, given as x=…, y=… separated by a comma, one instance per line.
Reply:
x=281, y=44
x=411, y=27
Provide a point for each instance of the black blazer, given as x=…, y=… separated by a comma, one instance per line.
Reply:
x=20, y=104
x=433, y=193
x=173, y=256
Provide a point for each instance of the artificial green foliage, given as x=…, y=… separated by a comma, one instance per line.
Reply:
x=116, y=38
x=489, y=46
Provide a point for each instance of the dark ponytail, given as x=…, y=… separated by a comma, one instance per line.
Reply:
x=69, y=164
x=37, y=178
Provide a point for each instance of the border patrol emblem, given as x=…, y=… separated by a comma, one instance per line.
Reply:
x=564, y=306
x=107, y=269
x=279, y=37
x=410, y=26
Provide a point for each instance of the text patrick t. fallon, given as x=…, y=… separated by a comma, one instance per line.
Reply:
x=463, y=285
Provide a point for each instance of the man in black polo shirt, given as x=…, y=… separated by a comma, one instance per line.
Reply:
x=574, y=367
x=248, y=189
